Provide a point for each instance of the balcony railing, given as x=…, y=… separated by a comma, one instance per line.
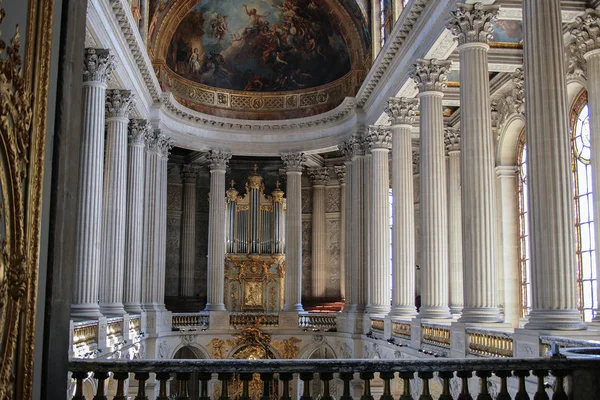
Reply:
x=485, y=343
x=189, y=321
x=317, y=322
x=410, y=372
x=260, y=319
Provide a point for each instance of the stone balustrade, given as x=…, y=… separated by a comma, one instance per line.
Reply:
x=413, y=373
x=260, y=319
x=317, y=322
x=436, y=335
x=189, y=321
x=484, y=343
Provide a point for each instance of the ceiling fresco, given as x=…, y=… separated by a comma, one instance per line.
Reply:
x=507, y=34
x=264, y=45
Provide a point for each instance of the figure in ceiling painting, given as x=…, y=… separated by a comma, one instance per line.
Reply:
x=263, y=45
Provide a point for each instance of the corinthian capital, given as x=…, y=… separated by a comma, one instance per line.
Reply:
x=159, y=142
x=472, y=23
x=319, y=176
x=586, y=30
x=401, y=110
x=340, y=171
x=119, y=103
x=378, y=137
x=431, y=75
x=98, y=64
x=352, y=148
x=218, y=159
x=190, y=173
x=452, y=139
x=293, y=161
x=139, y=129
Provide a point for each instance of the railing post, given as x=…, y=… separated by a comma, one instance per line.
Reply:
x=204, y=378
x=245, y=378
x=522, y=391
x=285, y=379
x=306, y=377
x=464, y=376
x=483, y=377
x=346, y=377
x=559, y=389
x=182, y=392
x=406, y=377
x=503, y=394
x=120, y=377
x=326, y=377
x=141, y=377
x=446, y=376
x=425, y=377
x=162, y=378
x=540, y=394
x=224, y=378
x=387, y=390
x=366, y=377
x=101, y=376
x=79, y=376
x=267, y=379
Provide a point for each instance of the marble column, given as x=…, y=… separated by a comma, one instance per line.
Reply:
x=341, y=174
x=293, y=232
x=553, y=263
x=586, y=31
x=471, y=24
x=455, y=257
x=430, y=77
x=379, y=141
x=188, y=231
x=319, y=178
x=136, y=166
x=347, y=148
x=98, y=65
x=155, y=212
x=359, y=271
x=216, y=231
x=367, y=193
x=119, y=104
x=401, y=112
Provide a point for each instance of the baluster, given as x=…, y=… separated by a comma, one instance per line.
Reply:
x=446, y=376
x=162, y=378
x=425, y=377
x=464, y=393
x=387, y=390
x=503, y=375
x=522, y=391
x=267, y=379
x=204, y=378
x=79, y=376
x=285, y=378
x=346, y=377
x=182, y=393
x=559, y=390
x=245, y=377
x=306, y=377
x=540, y=394
x=141, y=377
x=101, y=376
x=120, y=377
x=406, y=377
x=326, y=377
x=366, y=377
x=224, y=378
x=483, y=377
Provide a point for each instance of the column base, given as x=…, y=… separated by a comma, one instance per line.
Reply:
x=403, y=312
x=214, y=307
x=378, y=310
x=433, y=312
x=85, y=311
x=556, y=320
x=456, y=309
x=133, y=308
x=112, y=309
x=481, y=315
x=293, y=307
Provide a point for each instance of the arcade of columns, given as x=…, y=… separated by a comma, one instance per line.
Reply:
x=121, y=247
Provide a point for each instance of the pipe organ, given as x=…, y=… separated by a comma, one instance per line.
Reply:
x=255, y=243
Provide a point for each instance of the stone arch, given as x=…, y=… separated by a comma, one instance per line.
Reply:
x=194, y=349
x=575, y=86
x=508, y=140
x=314, y=346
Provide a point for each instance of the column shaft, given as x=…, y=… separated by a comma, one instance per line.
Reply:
x=358, y=233
x=455, y=257
x=549, y=170
x=188, y=231
x=319, y=177
x=349, y=287
x=367, y=193
x=341, y=172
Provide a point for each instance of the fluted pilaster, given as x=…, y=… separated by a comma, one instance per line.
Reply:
x=319, y=178
x=455, y=235
x=216, y=230
x=98, y=65
x=402, y=115
x=136, y=166
x=554, y=296
x=379, y=141
x=350, y=263
x=586, y=30
x=119, y=104
x=430, y=76
x=188, y=231
x=341, y=174
x=367, y=201
x=293, y=232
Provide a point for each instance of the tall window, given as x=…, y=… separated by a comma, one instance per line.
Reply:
x=582, y=210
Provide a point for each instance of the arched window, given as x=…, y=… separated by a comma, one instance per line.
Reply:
x=582, y=210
